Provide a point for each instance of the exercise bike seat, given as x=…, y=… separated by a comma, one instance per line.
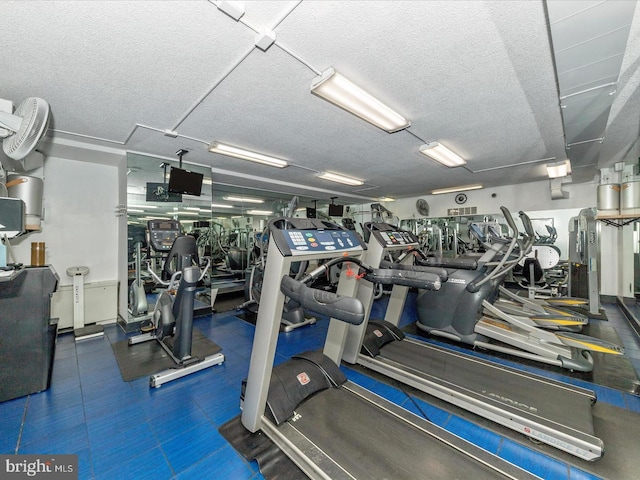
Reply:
x=184, y=252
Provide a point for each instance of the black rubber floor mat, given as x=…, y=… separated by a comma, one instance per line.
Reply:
x=274, y=465
x=225, y=302
x=251, y=317
x=149, y=358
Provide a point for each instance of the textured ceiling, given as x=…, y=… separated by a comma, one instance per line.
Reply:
x=477, y=76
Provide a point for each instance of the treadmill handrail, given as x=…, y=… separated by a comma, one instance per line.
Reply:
x=407, y=278
x=346, y=309
x=457, y=263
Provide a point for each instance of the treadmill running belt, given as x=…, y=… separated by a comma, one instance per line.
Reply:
x=369, y=442
x=521, y=391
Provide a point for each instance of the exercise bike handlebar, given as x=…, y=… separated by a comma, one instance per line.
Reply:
x=176, y=275
x=346, y=309
x=155, y=276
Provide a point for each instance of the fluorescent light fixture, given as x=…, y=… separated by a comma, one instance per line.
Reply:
x=456, y=189
x=335, y=177
x=559, y=169
x=336, y=89
x=207, y=181
x=188, y=213
x=156, y=217
x=220, y=205
x=243, y=199
x=243, y=154
x=259, y=212
x=200, y=210
x=143, y=206
x=386, y=199
x=442, y=154
x=134, y=210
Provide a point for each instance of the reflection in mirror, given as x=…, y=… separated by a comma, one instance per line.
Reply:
x=545, y=230
x=454, y=236
x=172, y=200
x=227, y=220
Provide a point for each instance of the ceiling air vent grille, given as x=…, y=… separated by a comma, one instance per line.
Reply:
x=462, y=211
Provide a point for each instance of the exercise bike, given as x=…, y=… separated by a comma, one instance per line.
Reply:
x=172, y=318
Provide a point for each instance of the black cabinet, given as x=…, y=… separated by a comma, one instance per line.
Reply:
x=27, y=331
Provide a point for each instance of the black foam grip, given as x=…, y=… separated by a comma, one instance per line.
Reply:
x=440, y=272
x=343, y=308
x=460, y=263
x=407, y=278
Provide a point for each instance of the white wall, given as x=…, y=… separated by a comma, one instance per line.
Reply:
x=616, y=271
x=79, y=225
x=529, y=197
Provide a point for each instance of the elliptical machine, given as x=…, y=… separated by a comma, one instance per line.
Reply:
x=293, y=315
x=463, y=311
x=173, y=313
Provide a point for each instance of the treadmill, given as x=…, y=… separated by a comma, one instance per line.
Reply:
x=543, y=409
x=329, y=427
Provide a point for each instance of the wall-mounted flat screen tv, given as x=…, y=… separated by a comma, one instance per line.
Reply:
x=185, y=182
x=336, y=210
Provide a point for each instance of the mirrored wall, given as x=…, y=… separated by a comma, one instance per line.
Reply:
x=227, y=220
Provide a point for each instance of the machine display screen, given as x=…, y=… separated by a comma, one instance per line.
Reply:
x=396, y=238
x=301, y=241
x=162, y=234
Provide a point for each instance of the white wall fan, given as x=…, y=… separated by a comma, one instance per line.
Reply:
x=22, y=129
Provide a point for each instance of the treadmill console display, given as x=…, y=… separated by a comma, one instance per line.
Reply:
x=304, y=241
x=162, y=233
x=396, y=238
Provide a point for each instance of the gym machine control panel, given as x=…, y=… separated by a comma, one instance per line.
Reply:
x=391, y=236
x=162, y=233
x=295, y=237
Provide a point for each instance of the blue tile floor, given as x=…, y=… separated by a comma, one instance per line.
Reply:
x=125, y=430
